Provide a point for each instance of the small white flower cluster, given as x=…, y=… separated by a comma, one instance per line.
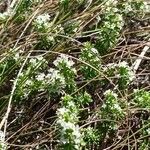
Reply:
x=114, y=65
x=42, y=20
x=2, y=140
x=54, y=75
x=110, y=2
x=69, y=129
x=108, y=5
x=130, y=74
x=57, y=30
x=40, y=77
x=111, y=108
x=141, y=98
x=117, y=21
x=63, y=59
x=94, y=50
x=73, y=130
x=26, y=79
x=110, y=92
x=112, y=24
x=131, y=6
x=52, y=78
x=53, y=81
x=67, y=121
x=64, y=73
x=128, y=8
x=113, y=101
x=37, y=61
x=90, y=55
x=2, y=136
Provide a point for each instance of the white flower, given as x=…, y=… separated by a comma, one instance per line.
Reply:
x=54, y=75
x=2, y=140
x=131, y=74
x=136, y=90
x=76, y=135
x=109, y=92
x=66, y=125
x=28, y=82
x=2, y=136
x=63, y=59
x=123, y=64
x=94, y=50
x=110, y=2
x=33, y=61
x=116, y=106
x=40, y=77
x=42, y=20
x=51, y=38
x=62, y=111
x=71, y=104
x=76, y=131
x=75, y=29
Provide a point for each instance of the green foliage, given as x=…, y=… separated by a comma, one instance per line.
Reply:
x=84, y=98
x=142, y=99
x=122, y=72
x=58, y=87
x=22, y=10
x=90, y=56
x=109, y=30
x=91, y=135
x=71, y=138
x=111, y=110
x=65, y=66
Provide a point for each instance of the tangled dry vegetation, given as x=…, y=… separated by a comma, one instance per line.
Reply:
x=74, y=74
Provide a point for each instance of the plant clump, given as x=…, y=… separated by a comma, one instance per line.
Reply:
x=67, y=78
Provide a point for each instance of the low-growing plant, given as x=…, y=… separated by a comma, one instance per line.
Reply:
x=60, y=73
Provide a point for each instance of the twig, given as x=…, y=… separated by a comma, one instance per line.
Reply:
x=137, y=63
